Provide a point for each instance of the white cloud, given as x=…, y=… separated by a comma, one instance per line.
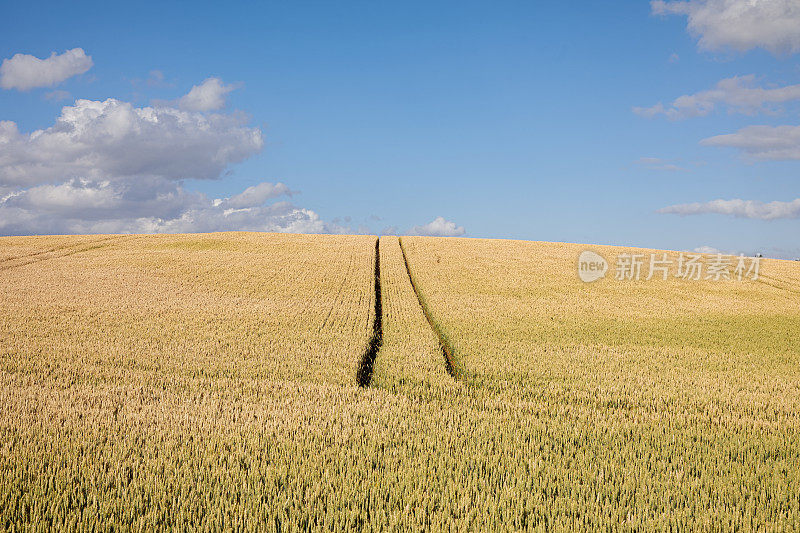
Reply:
x=655, y=163
x=739, y=24
x=254, y=196
x=207, y=96
x=738, y=93
x=107, y=199
x=707, y=250
x=438, y=227
x=110, y=167
x=146, y=206
x=762, y=142
x=278, y=217
x=650, y=112
x=739, y=208
x=113, y=139
x=24, y=72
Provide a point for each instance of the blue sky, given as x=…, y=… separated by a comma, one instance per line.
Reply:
x=509, y=120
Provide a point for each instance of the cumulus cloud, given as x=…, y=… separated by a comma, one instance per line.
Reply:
x=738, y=93
x=207, y=96
x=438, y=227
x=110, y=167
x=739, y=24
x=113, y=139
x=739, y=208
x=106, y=199
x=254, y=196
x=24, y=72
x=144, y=206
x=762, y=142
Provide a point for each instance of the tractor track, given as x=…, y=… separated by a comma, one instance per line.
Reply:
x=447, y=349
x=52, y=249
x=774, y=283
x=364, y=373
x=29, y=259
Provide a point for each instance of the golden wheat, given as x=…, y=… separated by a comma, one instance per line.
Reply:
x=209, y=382
x=678, y=401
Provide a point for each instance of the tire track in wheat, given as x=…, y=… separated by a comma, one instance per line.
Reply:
x=64, y=246
x=444, y=344
x=364, y=374
x=68, y=250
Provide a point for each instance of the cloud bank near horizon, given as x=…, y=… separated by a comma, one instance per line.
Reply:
x=738, y=208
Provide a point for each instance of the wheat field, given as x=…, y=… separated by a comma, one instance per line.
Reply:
x=210, y=382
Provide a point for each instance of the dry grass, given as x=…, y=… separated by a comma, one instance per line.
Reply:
x=208, y=381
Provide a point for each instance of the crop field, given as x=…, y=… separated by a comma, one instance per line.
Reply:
x=225, y=380
x=660, y=402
